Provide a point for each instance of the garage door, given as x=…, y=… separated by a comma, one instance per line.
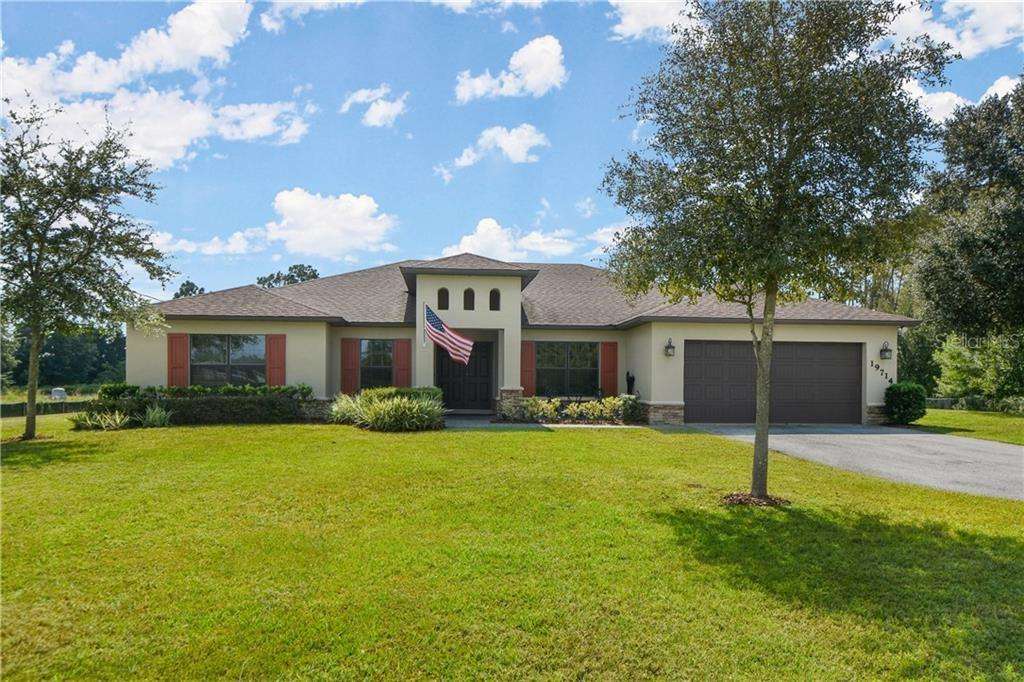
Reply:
x=811, y=382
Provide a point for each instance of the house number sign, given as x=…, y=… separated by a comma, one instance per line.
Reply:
x=878, y=368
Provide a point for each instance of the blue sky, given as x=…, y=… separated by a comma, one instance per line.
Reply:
x=345, y=135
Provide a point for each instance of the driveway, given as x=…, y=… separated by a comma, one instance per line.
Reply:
x=935, y=460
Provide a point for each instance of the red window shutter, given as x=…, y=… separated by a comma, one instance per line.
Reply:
x=177, y=359
x=401, y=368
x=349, y=366
x=609, y=368
x=275, y=359
x=528, y=369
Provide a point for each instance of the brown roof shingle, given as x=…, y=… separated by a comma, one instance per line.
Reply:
x=558, y=295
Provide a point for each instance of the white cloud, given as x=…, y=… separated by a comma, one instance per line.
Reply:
x=1002, y=86
x=443, y=172
x=533, y=69
x=645, y=20
x=586, y=207
x=603, y=238
x=199, y=32
x=970, y=26
x=514, y=144
x=940, y=105
x=463, y=6
x=274, y=19
x=382, y=112
x=301, y=88
x=494, y=241
x=508, y=27
x=165, y=125
x=239, y=243
x=329, y=226
x=168, y=243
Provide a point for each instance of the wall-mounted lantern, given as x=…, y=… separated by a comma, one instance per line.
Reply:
x=885, y=353
x=670, y=350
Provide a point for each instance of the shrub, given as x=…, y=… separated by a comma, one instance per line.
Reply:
x=400, y=413
x=536, y=409
x=346, y=409
x=155, y=416
x=905, y=402
x=267, y=408
x=293, y=391
x=1014, y=404
x=117, y=390
x=84, y=421
x=370, y=395
x=632, y=410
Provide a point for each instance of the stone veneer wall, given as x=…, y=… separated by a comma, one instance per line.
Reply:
x=508, y=395
x=875, y=414
x=663, y=414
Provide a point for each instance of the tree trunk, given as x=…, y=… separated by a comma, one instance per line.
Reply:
x=763, y=354
x=34, y=348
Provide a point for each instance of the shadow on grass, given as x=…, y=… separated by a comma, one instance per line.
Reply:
x=961, y=592
x=45, y=450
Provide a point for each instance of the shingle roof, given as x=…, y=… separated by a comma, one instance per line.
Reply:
x=559, y=295
x=249, y=301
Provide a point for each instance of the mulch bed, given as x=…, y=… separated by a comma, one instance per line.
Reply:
x=751, y=501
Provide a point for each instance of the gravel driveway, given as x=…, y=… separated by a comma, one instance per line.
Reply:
x=935, y=460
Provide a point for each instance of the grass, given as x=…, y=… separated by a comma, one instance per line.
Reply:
x=324, y=551
x=20, y=395
x=1007, y=428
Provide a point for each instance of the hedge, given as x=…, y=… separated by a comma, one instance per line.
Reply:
x=371, y=395
x=122, y=390
x=611, y=410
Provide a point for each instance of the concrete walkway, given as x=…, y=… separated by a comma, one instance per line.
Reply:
x=935, y=460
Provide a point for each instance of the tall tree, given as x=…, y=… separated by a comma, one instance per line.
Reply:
x=970, y=273
x=66, y=239
x=300, y=272
x=188, y=288
x=783, y=141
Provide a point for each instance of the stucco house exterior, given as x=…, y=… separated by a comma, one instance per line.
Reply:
x=539, y=329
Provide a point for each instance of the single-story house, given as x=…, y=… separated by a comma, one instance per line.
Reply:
x=547, y=329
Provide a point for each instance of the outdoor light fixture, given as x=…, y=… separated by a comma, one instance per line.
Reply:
x=670, y=350
x=885, y=353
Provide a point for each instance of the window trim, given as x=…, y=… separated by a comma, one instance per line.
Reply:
x=468, y=299
x=447, y=298
x=494, y=299
x=227, y=364
x=537, y=368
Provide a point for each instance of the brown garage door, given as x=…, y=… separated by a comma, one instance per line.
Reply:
x=811, y=382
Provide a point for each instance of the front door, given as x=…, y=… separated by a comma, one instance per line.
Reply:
x=465, y=387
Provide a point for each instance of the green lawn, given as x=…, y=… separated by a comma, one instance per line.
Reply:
x=323, y=551
x=1008, y=428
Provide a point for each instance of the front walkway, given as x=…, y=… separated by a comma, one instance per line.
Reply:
x=930, y=459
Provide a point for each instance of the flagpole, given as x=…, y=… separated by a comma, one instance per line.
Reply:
x=424, y=324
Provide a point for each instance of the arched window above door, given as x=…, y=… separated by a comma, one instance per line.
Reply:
x=442, y=299
x=495, y=299
x=468, y=299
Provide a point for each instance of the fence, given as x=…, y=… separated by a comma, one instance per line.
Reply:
x=64, y=407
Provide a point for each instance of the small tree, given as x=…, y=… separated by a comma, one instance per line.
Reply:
x=300, y=272
x=66, y=239
x=783, y=141
x=188, y=288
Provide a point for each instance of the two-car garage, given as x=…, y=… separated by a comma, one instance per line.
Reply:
x=811, y=382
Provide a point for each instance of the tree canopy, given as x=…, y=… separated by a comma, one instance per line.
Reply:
x=66, y=241
x=188, y=288
x=784, y=142
x=299, y=272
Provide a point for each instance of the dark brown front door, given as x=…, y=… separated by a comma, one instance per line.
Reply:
x=465, y=387
x=811, y=382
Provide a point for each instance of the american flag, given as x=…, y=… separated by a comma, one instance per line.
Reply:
x=458, y=347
